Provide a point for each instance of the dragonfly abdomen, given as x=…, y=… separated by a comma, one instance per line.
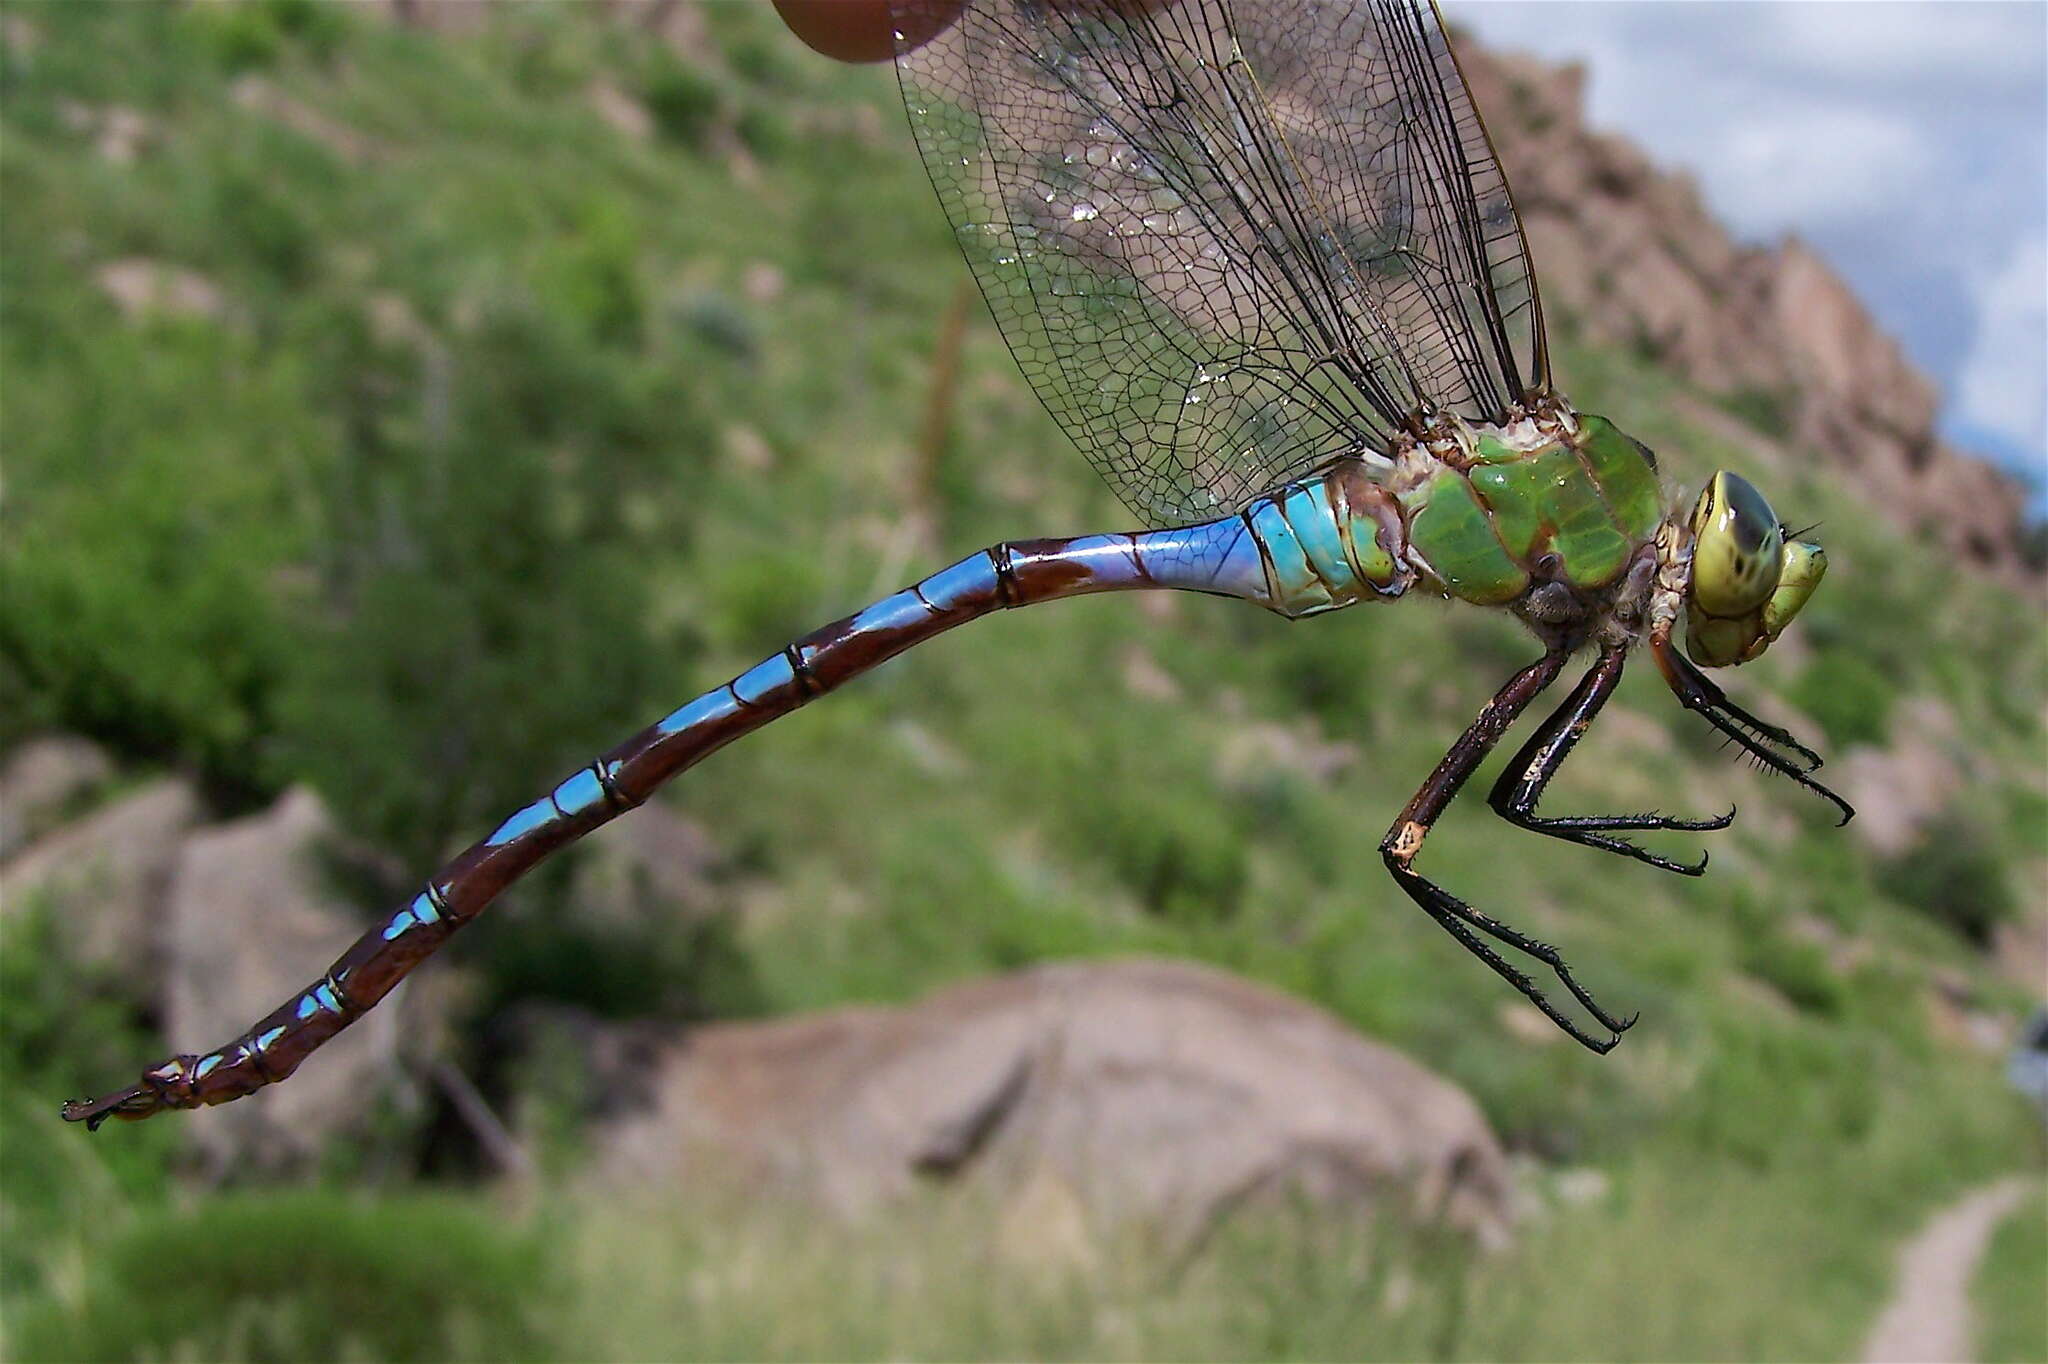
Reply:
x=1224, y=557
x=1329, y=541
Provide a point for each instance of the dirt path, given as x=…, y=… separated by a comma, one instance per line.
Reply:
x=1928, y=1320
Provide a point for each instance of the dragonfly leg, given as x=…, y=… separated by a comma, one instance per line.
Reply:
x=1761, y=740
x=1520, y=787
x=1404, y=841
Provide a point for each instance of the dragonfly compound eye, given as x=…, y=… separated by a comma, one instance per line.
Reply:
x=1805, y=564
x=1747, y=582
x=1738, y=548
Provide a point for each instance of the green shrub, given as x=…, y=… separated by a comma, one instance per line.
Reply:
x=1798, y=970
x=1765, y=409
x=66, y=1031
x=1769, y=1093
x=2034, y=545
x=1956, y=878
x=547, y=947
x=164, y=457
x=1189, y=877
x=64, y=1025
x=683, y=101
x=484, y=628
x=589, y=277
x=1847, y=695
x=766, y=132
x=291, y=1276
x=240, y=37
x=1183, y=860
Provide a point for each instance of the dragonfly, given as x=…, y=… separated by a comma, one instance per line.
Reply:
x=1258, y=258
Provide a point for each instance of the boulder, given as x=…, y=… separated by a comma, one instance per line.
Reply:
x=141, y=288
x=2019, y=946
x=1148, y=1095
x=119, y=134
x=1900, y=790
x=40, y=779
x=649, y=869
x=104, y=877
x=625, y=115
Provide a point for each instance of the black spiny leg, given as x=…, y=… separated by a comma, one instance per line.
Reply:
x=1404, y=841
x=1521, y=785
x=1763, y=741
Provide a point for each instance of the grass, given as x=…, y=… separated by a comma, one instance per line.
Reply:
x=1710, y=1260
x=308, y=1275
x=2012, y=1314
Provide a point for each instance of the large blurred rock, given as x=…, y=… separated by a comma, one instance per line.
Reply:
x=251, y=920
x=1150, y=1094
x=104, y=879
x=1903, y=788
x=41, y=778
x=649, y=869
x=140, y=288
x=2019, y=946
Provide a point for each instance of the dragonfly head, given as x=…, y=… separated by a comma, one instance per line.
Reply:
x=1748, y=582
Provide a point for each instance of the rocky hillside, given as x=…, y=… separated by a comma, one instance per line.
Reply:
x=1630, y=255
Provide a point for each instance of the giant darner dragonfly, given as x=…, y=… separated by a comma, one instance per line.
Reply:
x=1259, y=259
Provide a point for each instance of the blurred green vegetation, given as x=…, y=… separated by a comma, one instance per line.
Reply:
x=303, y=1275
x=508, y=430
x=1956, y=877
x=2012, y=1315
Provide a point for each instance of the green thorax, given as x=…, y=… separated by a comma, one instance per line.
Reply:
x=1575, y=497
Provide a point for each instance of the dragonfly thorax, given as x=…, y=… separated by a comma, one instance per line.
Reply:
x=1548, y=511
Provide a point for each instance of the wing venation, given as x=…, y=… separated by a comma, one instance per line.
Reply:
x=1226, y=240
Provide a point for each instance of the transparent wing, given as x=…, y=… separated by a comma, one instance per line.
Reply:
x=1227, y=240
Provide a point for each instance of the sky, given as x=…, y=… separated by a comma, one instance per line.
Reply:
x=1905, y=140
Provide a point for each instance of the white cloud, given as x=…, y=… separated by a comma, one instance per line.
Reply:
x=1798, y=163
x=1967, y=44
x=2004, y=388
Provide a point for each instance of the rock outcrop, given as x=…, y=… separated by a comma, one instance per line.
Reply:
x=1144, y=1095
x=207, y=927
x=40, y=779
x=104, y=878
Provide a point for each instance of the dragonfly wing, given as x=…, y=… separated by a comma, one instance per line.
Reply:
x=1227, y=240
